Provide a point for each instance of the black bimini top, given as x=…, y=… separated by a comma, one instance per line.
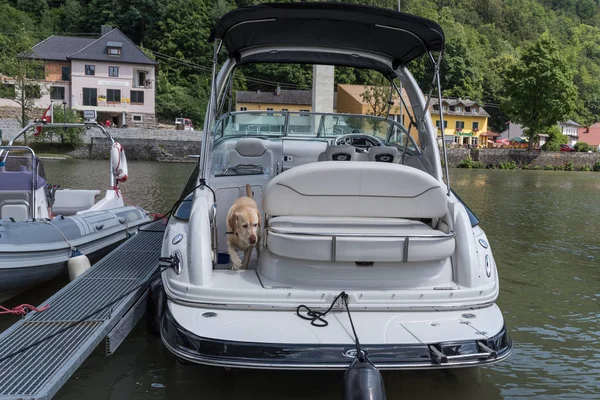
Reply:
x=349, y=27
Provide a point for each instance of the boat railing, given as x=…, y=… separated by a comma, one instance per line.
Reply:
x=4, y=150
x=34, y=170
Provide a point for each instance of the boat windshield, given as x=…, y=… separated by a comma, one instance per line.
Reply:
x=307, y=125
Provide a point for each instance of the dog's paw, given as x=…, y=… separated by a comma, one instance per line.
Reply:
x=236, y=262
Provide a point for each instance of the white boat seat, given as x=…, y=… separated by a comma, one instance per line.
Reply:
x=357, y=189
x=70, y=202
x=387, y=154
x=250, y=156
x=357, y=239
x=343, y=152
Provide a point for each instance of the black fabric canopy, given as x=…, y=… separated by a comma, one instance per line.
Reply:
x=399, y=36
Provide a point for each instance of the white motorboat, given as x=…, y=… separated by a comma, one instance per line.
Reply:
x=361, y=225
x=42, y=226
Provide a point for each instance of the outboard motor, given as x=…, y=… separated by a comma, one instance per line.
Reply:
x=362, y=381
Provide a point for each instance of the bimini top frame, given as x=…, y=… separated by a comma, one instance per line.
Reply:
x=322, y=33
x=355, y=28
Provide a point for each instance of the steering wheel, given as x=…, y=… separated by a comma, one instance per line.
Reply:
x=349, y=139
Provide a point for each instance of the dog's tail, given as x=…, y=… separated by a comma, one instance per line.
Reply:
x=249, y=191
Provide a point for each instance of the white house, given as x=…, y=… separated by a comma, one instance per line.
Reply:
x=110, y=75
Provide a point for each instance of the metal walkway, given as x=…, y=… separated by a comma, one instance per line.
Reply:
x=39, y=353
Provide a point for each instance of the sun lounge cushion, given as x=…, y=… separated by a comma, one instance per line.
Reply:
x=355, y=189
x=353, y=239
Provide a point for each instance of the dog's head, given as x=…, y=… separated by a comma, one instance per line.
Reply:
x=245, y=224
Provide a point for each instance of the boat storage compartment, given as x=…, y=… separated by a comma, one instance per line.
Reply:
x=357, y=239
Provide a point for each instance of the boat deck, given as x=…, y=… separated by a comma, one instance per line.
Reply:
x=39, y=353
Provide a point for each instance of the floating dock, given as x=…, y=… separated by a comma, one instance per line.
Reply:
x=39, y=353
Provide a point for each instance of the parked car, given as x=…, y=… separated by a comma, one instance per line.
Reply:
x=184, y=124
x=566, y=147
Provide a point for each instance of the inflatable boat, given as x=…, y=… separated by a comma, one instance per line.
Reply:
x=42, y=226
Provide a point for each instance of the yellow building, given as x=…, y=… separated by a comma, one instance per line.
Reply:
x=465, y=121
x=350, y=100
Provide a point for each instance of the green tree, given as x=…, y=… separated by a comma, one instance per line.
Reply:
x=540, y=88
x=70, y=136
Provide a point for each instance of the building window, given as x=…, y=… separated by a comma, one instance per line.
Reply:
x=90, y=97
x=136, y=118
x=467, y=109
x=475, y=126
x=57, y=93
x=114, y=51
x=269, y=109
x=436, y=107
x=437, y=123
x=284, y=109
x=457, y=139
x=475, y=110
x=137, y=96
x=474, y=141
x=141, y=79
x=458, y=109
x=66, y=74
x=243, y=108
x=452, y=108
x=445, y=108
x=90, y=69
x=113, y=95
x=460, y=124
x=113, y=71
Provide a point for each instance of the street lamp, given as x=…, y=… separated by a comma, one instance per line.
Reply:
x=64, y=111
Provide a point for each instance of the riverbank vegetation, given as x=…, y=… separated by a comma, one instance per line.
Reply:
x=488, y=42
x=469, y=163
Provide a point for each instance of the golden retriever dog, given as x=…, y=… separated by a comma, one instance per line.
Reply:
x=243, y=229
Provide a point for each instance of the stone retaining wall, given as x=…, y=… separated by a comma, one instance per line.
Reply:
x=523, y=158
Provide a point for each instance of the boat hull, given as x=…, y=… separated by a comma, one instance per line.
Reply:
x=34, y=252
x=325, y=356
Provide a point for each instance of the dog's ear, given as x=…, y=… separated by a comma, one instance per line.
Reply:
x=233, y=222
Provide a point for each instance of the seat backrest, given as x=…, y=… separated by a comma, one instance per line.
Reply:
x=387, y=154
x=343, y=152
x=357, y=189
x=251, y=151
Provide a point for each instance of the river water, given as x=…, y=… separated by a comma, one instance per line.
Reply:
x=544, y=229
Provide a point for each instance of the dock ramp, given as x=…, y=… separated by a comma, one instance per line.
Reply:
x=39, y=353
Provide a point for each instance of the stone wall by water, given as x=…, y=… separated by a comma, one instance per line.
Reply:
x=141, y=144
x=541, y=159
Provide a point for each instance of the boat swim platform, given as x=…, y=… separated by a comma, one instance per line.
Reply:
x=39, y=353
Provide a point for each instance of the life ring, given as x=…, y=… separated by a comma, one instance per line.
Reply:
x=118, y=162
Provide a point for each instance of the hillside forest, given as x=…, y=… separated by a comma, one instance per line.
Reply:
x=492, y=49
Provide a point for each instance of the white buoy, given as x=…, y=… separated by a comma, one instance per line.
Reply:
x=77, y=264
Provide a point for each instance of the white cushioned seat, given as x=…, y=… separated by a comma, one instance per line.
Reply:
x=357, y=189
x=357, y=212
x=251, y=151
x=353, y=239
x=387, y=154
x=344, y=152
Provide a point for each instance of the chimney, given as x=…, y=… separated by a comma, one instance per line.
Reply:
x=278, y=90
x=104, y=29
